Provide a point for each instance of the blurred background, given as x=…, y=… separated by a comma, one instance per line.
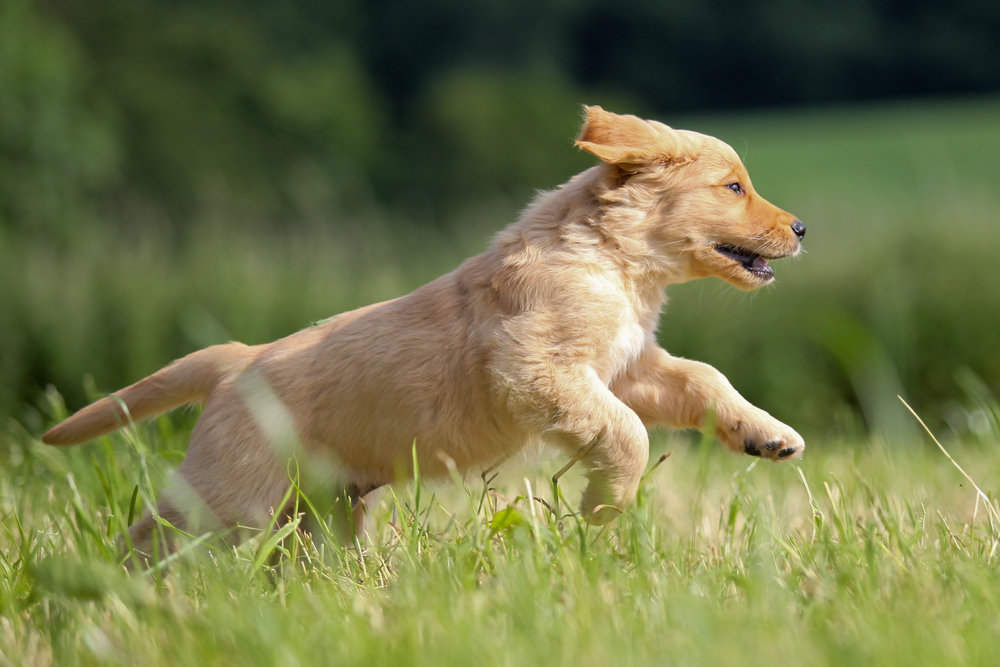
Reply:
x=178, y=173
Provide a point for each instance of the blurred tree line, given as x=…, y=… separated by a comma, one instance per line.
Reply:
x=138, y=110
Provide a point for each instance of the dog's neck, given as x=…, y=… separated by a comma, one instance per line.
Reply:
x=593, y=221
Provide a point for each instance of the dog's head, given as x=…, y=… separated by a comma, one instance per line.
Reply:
x=700, y=212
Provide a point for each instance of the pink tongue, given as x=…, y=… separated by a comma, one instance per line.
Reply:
x=760, y=263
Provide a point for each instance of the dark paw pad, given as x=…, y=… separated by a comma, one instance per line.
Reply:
x=786, y=452
x=772, y=445
x=750, y=447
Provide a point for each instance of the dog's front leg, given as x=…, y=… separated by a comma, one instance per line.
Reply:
x=681, y=393
x=591, y=423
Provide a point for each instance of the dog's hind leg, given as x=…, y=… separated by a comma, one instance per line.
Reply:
x=231, y=482
x=361, y=519
x=151, y=540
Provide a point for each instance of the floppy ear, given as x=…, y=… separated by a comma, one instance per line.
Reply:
x=628, y=140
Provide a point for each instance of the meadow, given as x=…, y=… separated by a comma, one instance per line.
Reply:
x=874, y=548
x=863, y=553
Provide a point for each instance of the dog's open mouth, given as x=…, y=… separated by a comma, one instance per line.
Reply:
x=750, y=261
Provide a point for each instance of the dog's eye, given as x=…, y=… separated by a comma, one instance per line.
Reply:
x=735, y=187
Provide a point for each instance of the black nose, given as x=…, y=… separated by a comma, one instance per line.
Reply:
x=799, y=229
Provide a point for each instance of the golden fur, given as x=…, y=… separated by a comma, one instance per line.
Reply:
x=548, y=336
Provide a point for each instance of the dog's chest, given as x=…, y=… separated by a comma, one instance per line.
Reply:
x=624, y=345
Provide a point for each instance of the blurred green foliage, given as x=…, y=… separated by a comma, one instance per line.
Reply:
x=179, y=173
x=56, y=146
x=146, y=109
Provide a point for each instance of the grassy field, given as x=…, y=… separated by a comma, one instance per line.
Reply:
x=874, y=549
x=861, y=554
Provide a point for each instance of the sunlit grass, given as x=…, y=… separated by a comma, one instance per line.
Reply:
x=862, y=553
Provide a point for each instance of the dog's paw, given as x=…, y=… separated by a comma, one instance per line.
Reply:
x=763, y=436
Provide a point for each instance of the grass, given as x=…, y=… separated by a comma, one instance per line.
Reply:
x=862, y=553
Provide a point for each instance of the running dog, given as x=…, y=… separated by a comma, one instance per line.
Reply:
x=547, y=337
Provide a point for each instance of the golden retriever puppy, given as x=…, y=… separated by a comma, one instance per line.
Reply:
x=547, y=337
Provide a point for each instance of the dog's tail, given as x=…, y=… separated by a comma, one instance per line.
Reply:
x=188, y=380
